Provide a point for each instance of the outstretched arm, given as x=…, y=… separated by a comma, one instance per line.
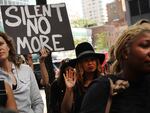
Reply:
x=44, y=73
x=70, y=80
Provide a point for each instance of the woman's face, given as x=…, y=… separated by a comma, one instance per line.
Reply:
x=139, y=55
x=89, y=64
x=4, y=49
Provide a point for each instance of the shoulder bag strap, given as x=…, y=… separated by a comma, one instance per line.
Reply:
x=109, y=101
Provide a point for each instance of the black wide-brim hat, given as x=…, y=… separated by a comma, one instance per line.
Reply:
x=85, y=50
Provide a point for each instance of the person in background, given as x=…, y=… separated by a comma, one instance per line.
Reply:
x=132, y=53
x=51, y=77
x=88, y=67
x=28, y=60
x=20, y=77
x=108, y=66
x=58, y=87
x=47, y=73
x=42, y=78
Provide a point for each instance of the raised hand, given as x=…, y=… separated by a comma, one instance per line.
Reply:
x=43, y=54
x=70, y=78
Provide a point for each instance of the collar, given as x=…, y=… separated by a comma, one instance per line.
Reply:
x=2, y=72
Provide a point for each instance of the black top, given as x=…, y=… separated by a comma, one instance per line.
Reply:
x=56, y=97
x=3, y=95
x=79, y=92
x=57, y=93
x=134, y=99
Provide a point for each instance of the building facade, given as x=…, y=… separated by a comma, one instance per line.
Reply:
x=15, y=2
x=94, y=10
x=112, y=32
x=74, y=9
x=115, y=11
x=136, y=10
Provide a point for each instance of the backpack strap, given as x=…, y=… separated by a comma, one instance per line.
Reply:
x=3, y=95
x=115, y=88
x=109, y=101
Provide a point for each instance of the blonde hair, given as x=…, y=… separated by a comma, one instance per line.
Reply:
x=123, y=42
x=142, y=21
x=111, y=53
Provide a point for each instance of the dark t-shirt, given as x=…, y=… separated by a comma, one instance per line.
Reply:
x=134, y=99
x=57, y=94
x=95, y=99
x=79, y=92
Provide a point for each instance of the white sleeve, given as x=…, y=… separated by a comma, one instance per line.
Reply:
x=36, y=98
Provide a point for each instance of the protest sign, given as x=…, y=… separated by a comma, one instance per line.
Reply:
x=37, y=26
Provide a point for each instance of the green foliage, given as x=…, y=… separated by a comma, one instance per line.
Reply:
x=83, y=23
x=101, y=42
x=79, y=40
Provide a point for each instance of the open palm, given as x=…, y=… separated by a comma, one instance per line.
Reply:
x=70, y=78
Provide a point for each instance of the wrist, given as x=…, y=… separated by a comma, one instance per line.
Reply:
x=42, y=60
x=69, y=89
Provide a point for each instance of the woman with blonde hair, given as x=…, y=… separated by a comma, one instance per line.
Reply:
x=132, y=53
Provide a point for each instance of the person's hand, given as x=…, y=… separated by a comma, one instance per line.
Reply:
x=70, y=78
x=43, y=54
x=118, y=86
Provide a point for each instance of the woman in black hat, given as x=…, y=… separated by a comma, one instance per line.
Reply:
x=88, y=67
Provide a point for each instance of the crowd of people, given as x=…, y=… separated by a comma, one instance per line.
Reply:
x=82, y=86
